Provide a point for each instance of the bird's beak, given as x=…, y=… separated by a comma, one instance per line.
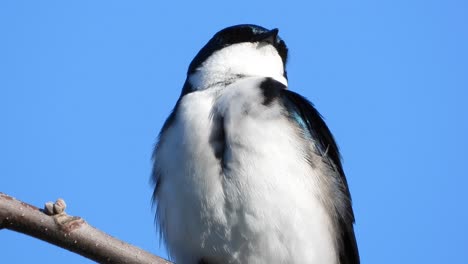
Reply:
x=269, y=37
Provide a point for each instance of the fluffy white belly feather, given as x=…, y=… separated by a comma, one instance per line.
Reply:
x=260, y=203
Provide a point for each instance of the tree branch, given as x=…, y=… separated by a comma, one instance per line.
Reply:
x=53, y=225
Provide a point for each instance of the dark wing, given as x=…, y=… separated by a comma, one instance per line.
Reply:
x=301, y=111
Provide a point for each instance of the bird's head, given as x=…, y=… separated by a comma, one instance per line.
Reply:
x=238, y=51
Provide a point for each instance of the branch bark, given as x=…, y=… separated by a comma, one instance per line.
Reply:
x=53, y=225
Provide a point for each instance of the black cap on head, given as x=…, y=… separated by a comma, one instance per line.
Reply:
x=238, y=34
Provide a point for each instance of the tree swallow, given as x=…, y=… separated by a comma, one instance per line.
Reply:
x=245, y=170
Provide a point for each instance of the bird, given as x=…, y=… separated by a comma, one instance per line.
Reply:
x=246, y=170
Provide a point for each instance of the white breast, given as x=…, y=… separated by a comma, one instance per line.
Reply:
x=261, y=205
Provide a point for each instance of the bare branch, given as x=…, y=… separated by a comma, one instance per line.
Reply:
x=69, y=232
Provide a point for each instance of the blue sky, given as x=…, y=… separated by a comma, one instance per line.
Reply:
x=85, y=87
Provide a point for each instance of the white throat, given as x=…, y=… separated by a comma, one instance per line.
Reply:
x=241, y=59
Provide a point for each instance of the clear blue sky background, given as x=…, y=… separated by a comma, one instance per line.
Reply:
x=86, y=85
